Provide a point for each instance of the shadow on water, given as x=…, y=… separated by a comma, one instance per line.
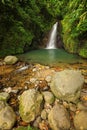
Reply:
x=50, y=57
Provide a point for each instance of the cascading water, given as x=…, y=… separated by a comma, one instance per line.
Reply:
x=50, y=55
x=53, y=37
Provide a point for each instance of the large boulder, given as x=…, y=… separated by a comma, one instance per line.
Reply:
x=59, y=118
x=80, y=120
x=10, y=60
x=67, y=84
x=7, y=116
x=30, y=104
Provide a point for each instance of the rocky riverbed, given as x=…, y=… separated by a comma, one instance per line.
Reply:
x=43, y=97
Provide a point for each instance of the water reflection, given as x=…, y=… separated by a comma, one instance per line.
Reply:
x=50, y=57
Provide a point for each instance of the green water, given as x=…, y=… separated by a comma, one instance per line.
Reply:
x=50, y=57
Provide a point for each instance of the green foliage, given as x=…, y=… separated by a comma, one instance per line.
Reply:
x=26, y=128
x=23, y=23
x=75, y=25
x=56, y=8
x=83, y=50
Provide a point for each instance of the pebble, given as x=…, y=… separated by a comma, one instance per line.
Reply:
x=27, y=82
x=85, y=81
x=37, y=121
x=26, y=87
x=44, y=114
x=34, y=70
x=33, y=80
x=48, y=78
x=8, y=90
x=72, y=107
x=47, y=67
x=23, y=68
x=65, y=104
x=45, y=88
x=80, y=106
x=4, y=96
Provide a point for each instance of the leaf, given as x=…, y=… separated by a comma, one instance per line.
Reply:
x=3, y=1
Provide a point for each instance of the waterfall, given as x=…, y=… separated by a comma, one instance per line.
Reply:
x=53, y=37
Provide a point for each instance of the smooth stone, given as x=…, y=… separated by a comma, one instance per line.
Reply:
x=10, y=60
x=4, y=96
x=44, y=114
x=80, y=120
x=30, y=105
x=37, y=121
x=66, y=85
x=81, y=106
x=58, y=118
x=48, y=78
x=7, y=116
x=48, y=97
x=33, y=80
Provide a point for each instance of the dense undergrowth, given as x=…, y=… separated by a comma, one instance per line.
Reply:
x=24, y=23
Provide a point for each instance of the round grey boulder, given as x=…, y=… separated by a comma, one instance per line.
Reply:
x=10, y=60
x=67, y=84
x=59, y=118
x=80, y=120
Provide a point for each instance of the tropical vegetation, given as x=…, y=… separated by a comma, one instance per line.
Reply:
x=24, y=23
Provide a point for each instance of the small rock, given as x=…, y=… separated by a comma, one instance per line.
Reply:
x=33, y=80
x=44, y=114
x=43, y=125
x=80, y=120
x=37, y=121
x=4, y=96
x=2, y=105
x=22, y=68
x=85, y=81
x=81, y=106
x=45, y=88
x=48, y=97
x=48, y=78
x=8, y=90
x=10, y=60
x=34, y=69
x=72, y=107
x=14, y=91
x=65, y=104
x=47, y=67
